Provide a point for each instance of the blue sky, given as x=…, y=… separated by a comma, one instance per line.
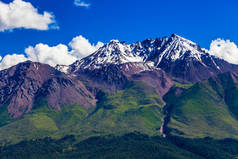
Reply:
x=127, y=20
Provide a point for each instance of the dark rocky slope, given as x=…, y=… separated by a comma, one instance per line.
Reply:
x=23, y=84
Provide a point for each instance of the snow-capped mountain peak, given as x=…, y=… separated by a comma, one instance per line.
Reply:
x=113, y=52
x=178, y=47
x=148, y=47
x=114, y=41
x=180, y=38
x=178, y=57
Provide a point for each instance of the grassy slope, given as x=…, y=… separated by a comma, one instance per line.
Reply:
x=205, y=109
x=133, y=109
x=202, y=110
x=137, y=108
x=40, y=123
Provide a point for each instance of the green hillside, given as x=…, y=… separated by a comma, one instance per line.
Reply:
x=137, y=108
x=208, y=108
x=198, y=110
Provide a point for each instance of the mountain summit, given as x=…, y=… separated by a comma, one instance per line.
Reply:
x=112, y=53
x=180, y=58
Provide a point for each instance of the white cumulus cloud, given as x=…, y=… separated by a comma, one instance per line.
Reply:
x=224, y=49
x=81, y=3
x=50, y=55
x=61, y=54
x=21, y=14
x=81, y=47
x=11, y=60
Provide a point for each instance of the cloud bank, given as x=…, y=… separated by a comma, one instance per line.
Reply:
x=21, y=14
x=224, y=49
x=50, y=55
x=53, y=55
x=81, y=3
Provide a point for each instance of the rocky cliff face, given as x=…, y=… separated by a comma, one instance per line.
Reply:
x=22, y=84
x=147, y=73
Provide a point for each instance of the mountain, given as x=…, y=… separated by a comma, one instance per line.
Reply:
x=116, y=52
x=135, y=108
x=207, y=108
x=39, y=101
x=167, y=87
x=108, y=77
x=112, y=53
x=23, y=85
x=114, y=77
x=184, y=60
x=180, y=58
x=148, y=74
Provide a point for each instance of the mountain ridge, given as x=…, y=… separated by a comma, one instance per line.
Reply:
x=180, y=58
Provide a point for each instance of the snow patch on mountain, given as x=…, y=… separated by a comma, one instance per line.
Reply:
x=112, y=53
x=178, y=47
x=63, y=68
